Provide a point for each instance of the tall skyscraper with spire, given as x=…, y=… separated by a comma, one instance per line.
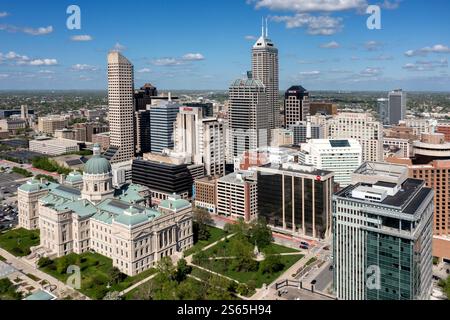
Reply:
x=265, y=69
x=120, y=99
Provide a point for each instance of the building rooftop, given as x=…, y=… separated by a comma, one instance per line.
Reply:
x=239, y=177
x=247, y=83
x=299, y=168
x=41, y=295
x=407, y=199
x=175, y=203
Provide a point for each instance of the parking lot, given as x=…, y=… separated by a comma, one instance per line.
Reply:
x=9, y=182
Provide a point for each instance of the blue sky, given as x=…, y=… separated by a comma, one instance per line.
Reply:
x=200, y=44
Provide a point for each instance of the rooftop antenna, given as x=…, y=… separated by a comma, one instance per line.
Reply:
x=267, y=28
x=262, y=27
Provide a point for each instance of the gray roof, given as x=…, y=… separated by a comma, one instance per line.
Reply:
x=248, y=83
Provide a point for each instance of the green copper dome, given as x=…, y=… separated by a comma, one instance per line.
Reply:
x=97, y=164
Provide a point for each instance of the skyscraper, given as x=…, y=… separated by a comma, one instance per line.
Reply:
x=342, y=157
x=361, y=127
x=382, y=232
x=143, y=97
x=201, y=139
x=295, y=199
x=296, y=105
x=397, y=106
x=265, y=69
x=120, y=97
x=163, y=116
x=383, y=110
x=248, y=117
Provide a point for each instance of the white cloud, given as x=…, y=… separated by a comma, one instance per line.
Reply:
x=43, y=62
x=167, y=62
x=23, y=60
x=170, y=61
x=83, y=37
x=4, y=75
x=373, y=45
x=310, y=6
x=83, y=67
x=390, y=5
x=426, y=65
x=370, y=72
x=382, y=57
x=193, y=57
x=438, y=48
x=4, y=14
x=330, y=45
x=315, y=25
x=46, y=72
x=31, y=31
x=144, y=70
x=310, y=73
x=250, y=38
x=319, y=61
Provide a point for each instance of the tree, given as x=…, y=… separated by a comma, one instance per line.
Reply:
x=260, y=233
x=183, y=270
x=272, y=264
x=44, y=262
x=243, y=253
x=62, y=264
x=445, y=284
x=116, y=275
x=202, y=219
x=189, y=290
x=218, y=288
x=166, y=268
x=199, y=258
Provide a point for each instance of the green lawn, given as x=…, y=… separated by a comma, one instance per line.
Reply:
x=256, y=276
x=2, y=259
x=222, y=250
x=95, y=274
x=8, y=290
x=201, y=274
x=18, y=242
x=215, y=235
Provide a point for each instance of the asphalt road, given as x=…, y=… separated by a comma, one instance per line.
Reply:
x=325, y=278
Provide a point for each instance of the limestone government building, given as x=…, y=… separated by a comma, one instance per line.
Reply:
x=85, y=213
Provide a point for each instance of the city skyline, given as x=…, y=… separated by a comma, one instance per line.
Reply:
x=203, y=46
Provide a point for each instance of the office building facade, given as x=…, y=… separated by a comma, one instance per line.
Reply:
x=397, y=106
x=120, y=98
x=237, y=196
x=361, y=127
x=201, y=139
x=382, y=233
x=342, y=157
x=304, y=131
x=296, y=199
x=248, y=117
x=265, y=69
x=296, y=106
x=163, y=116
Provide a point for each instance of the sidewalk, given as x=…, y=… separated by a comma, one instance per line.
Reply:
x=25, y=268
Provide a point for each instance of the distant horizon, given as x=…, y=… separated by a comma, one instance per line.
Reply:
x=333, y=49
x=221, y=90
